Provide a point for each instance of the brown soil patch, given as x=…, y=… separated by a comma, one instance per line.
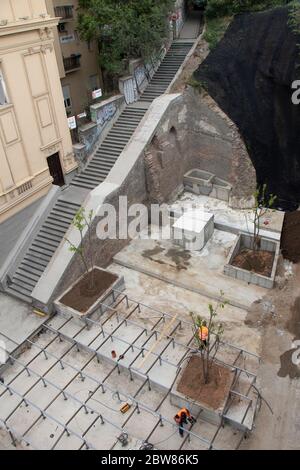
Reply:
x=212, y=394
x=81, y=297
x=260, y=262
x=290, y=240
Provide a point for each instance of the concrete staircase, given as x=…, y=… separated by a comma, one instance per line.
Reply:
x=109, y=150
x=52, y=231
x=167, y=70
x=42, y=249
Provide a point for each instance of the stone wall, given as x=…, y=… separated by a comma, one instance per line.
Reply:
x=195, y=133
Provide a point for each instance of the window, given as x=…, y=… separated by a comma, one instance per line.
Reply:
x=3, y=93
x=67, y=96
x=94, y=82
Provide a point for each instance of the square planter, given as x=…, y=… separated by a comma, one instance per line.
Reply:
x=220, y=189
x=244, y=241
x=106, y=282
x=211, y=408
x=198, y=181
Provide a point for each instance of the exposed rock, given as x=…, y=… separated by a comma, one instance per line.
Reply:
x=249, y=75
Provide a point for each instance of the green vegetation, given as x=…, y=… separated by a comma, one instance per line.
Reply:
x=219, y=14
x=215, y=30
x=124, y=29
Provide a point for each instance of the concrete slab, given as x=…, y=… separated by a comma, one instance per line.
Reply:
x=232, y=220
x=17, y=321
x=200, y=272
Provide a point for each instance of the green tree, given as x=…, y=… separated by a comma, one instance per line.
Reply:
x=215, y=331
x=83, y=223
x=124, y=29
x=263, y=203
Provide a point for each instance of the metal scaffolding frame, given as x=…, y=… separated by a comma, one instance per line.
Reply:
x=95, y=353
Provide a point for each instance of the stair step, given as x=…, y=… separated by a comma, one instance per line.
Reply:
x=55, y=238
x=32, y=276
x=19, y=292
x=96, y=175
x=99, y=162
x=53, y=222
x=53, y=230
x=101, y=157
x=62, y=217
x=24, y=281
x=117, y=138
x=31, y=268
x=48, y=242
x=43, y=246
x=65, y=210
x=79, y=184
x=113, y=143
x=38, y=260
x=88, y=179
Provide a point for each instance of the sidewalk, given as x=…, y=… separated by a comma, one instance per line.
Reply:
x=192, y=27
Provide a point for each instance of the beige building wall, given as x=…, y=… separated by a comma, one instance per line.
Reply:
x=78, y=63
x=33, y=124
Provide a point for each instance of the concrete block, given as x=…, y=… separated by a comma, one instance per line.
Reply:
x=193, y=229
x=107, y=298
x=245, y=241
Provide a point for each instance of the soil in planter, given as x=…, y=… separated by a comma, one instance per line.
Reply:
x=260, y=262
x=212, y=394
x=81, y=297
x=290, y=240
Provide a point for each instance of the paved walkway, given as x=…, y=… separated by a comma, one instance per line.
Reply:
x=11, y=229
x=192, y=26
x=17, y=321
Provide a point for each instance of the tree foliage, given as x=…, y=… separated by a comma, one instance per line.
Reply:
x=123, y=29
x=215, y=332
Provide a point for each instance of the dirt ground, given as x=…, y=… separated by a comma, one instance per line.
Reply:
x=215, y=392
x=81, y=297
x=278, y=316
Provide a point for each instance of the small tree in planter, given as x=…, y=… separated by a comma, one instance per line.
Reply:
x=83, y=221
x=262, y=205
x=215, y=330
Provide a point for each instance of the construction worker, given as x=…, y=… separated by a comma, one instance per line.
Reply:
x=181, y=418
x=203, y=333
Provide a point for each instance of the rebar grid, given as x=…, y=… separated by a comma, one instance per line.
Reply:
x=101, y=384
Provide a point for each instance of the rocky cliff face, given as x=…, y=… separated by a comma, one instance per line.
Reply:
x=249, y=75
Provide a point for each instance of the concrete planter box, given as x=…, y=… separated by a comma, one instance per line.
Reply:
x=245, y=241
x=207, y=184
x=198, y=181
x=209, y=414
x=107, y=297
x=221, y=189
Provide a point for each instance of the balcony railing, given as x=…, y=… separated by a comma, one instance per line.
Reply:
x=72, y=63
x=65, y=12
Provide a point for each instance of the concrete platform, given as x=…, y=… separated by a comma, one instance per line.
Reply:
x=231, y=220
x=199, y=272
x=17, y=321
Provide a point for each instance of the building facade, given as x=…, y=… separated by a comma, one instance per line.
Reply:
x=35, y=142
x=77, y=61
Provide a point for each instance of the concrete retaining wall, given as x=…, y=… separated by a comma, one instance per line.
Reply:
x=245, y=241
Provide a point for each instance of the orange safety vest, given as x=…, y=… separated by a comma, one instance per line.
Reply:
x=180, y=413
x=203, y=333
